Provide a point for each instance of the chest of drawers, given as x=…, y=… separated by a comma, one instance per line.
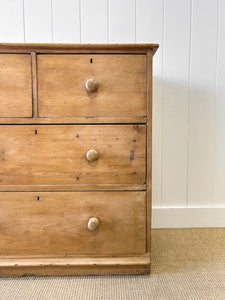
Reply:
x=75, y=159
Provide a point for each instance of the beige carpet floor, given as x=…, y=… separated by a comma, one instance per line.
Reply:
x=186, y=264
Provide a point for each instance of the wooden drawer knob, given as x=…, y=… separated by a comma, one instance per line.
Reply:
x=91, y=85
x=92, y=155
x=93, y=224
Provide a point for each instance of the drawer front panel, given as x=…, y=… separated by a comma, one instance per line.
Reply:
x=54, y=224
x=120, y=81
x=57, y=154
x=15, y=85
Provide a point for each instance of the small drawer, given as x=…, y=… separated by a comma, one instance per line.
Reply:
x=72, y=154
x=92, y=85
x=15, y=86
x=72, y=223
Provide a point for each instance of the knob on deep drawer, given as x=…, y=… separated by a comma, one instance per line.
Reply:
x=91, y=85
x=92, y=155
x=93, y=224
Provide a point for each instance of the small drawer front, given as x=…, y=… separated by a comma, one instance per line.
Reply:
x=92, y=85
x=63, y=223
x=72, y=154
x=15, y=85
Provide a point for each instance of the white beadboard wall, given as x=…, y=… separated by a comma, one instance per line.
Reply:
x=188, y=87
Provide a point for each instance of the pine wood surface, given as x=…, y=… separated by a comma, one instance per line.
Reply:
x=73, y=187
x=92, y=208
x=62, y=91
x=75, y=120
x=76, y=48
x=56, y=154
x=15, y=85
x=149, y=149
x=74, y=266
x=56, y=223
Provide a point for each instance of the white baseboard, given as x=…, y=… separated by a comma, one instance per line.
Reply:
x=188, y=217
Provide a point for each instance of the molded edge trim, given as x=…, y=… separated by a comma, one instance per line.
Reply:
x=40, y=48
x=13, y=267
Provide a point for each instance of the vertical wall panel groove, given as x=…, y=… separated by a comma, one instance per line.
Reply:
x=52, y=20
x=219, y=154
x=202, y=102
x=80, y=19
x=24, y=32
x=107, y=21
x=215, y=105
x=66, y=21
x=94, y=21
x=149, y=29
x=162, y=121
x=38, y=21
x=175, y=102
x=189, y=97
x=121, y=21
x=135, y=21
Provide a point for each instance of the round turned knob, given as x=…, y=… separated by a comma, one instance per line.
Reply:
x=92, y=155
x=91, y=85
x=93, y=224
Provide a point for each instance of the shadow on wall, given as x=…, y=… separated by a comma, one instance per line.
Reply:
x=183, y=142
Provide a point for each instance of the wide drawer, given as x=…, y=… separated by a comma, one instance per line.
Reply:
x=54, y=224
x=57, y=154
x=118, y=88
x=15, y=85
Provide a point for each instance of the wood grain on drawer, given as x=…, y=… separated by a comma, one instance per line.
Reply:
x=121, y=81
x=56, y=223
x=56, y=154
x=15, y=85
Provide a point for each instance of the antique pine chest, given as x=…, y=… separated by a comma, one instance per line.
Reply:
x=75, y=159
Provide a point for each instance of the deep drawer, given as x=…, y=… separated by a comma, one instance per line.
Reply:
x=118, y=89
x=56, y=223
x=58, y=154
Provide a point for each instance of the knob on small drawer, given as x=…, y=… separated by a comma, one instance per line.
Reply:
x=91, y=85
x=92, y=155
x=93, y=224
